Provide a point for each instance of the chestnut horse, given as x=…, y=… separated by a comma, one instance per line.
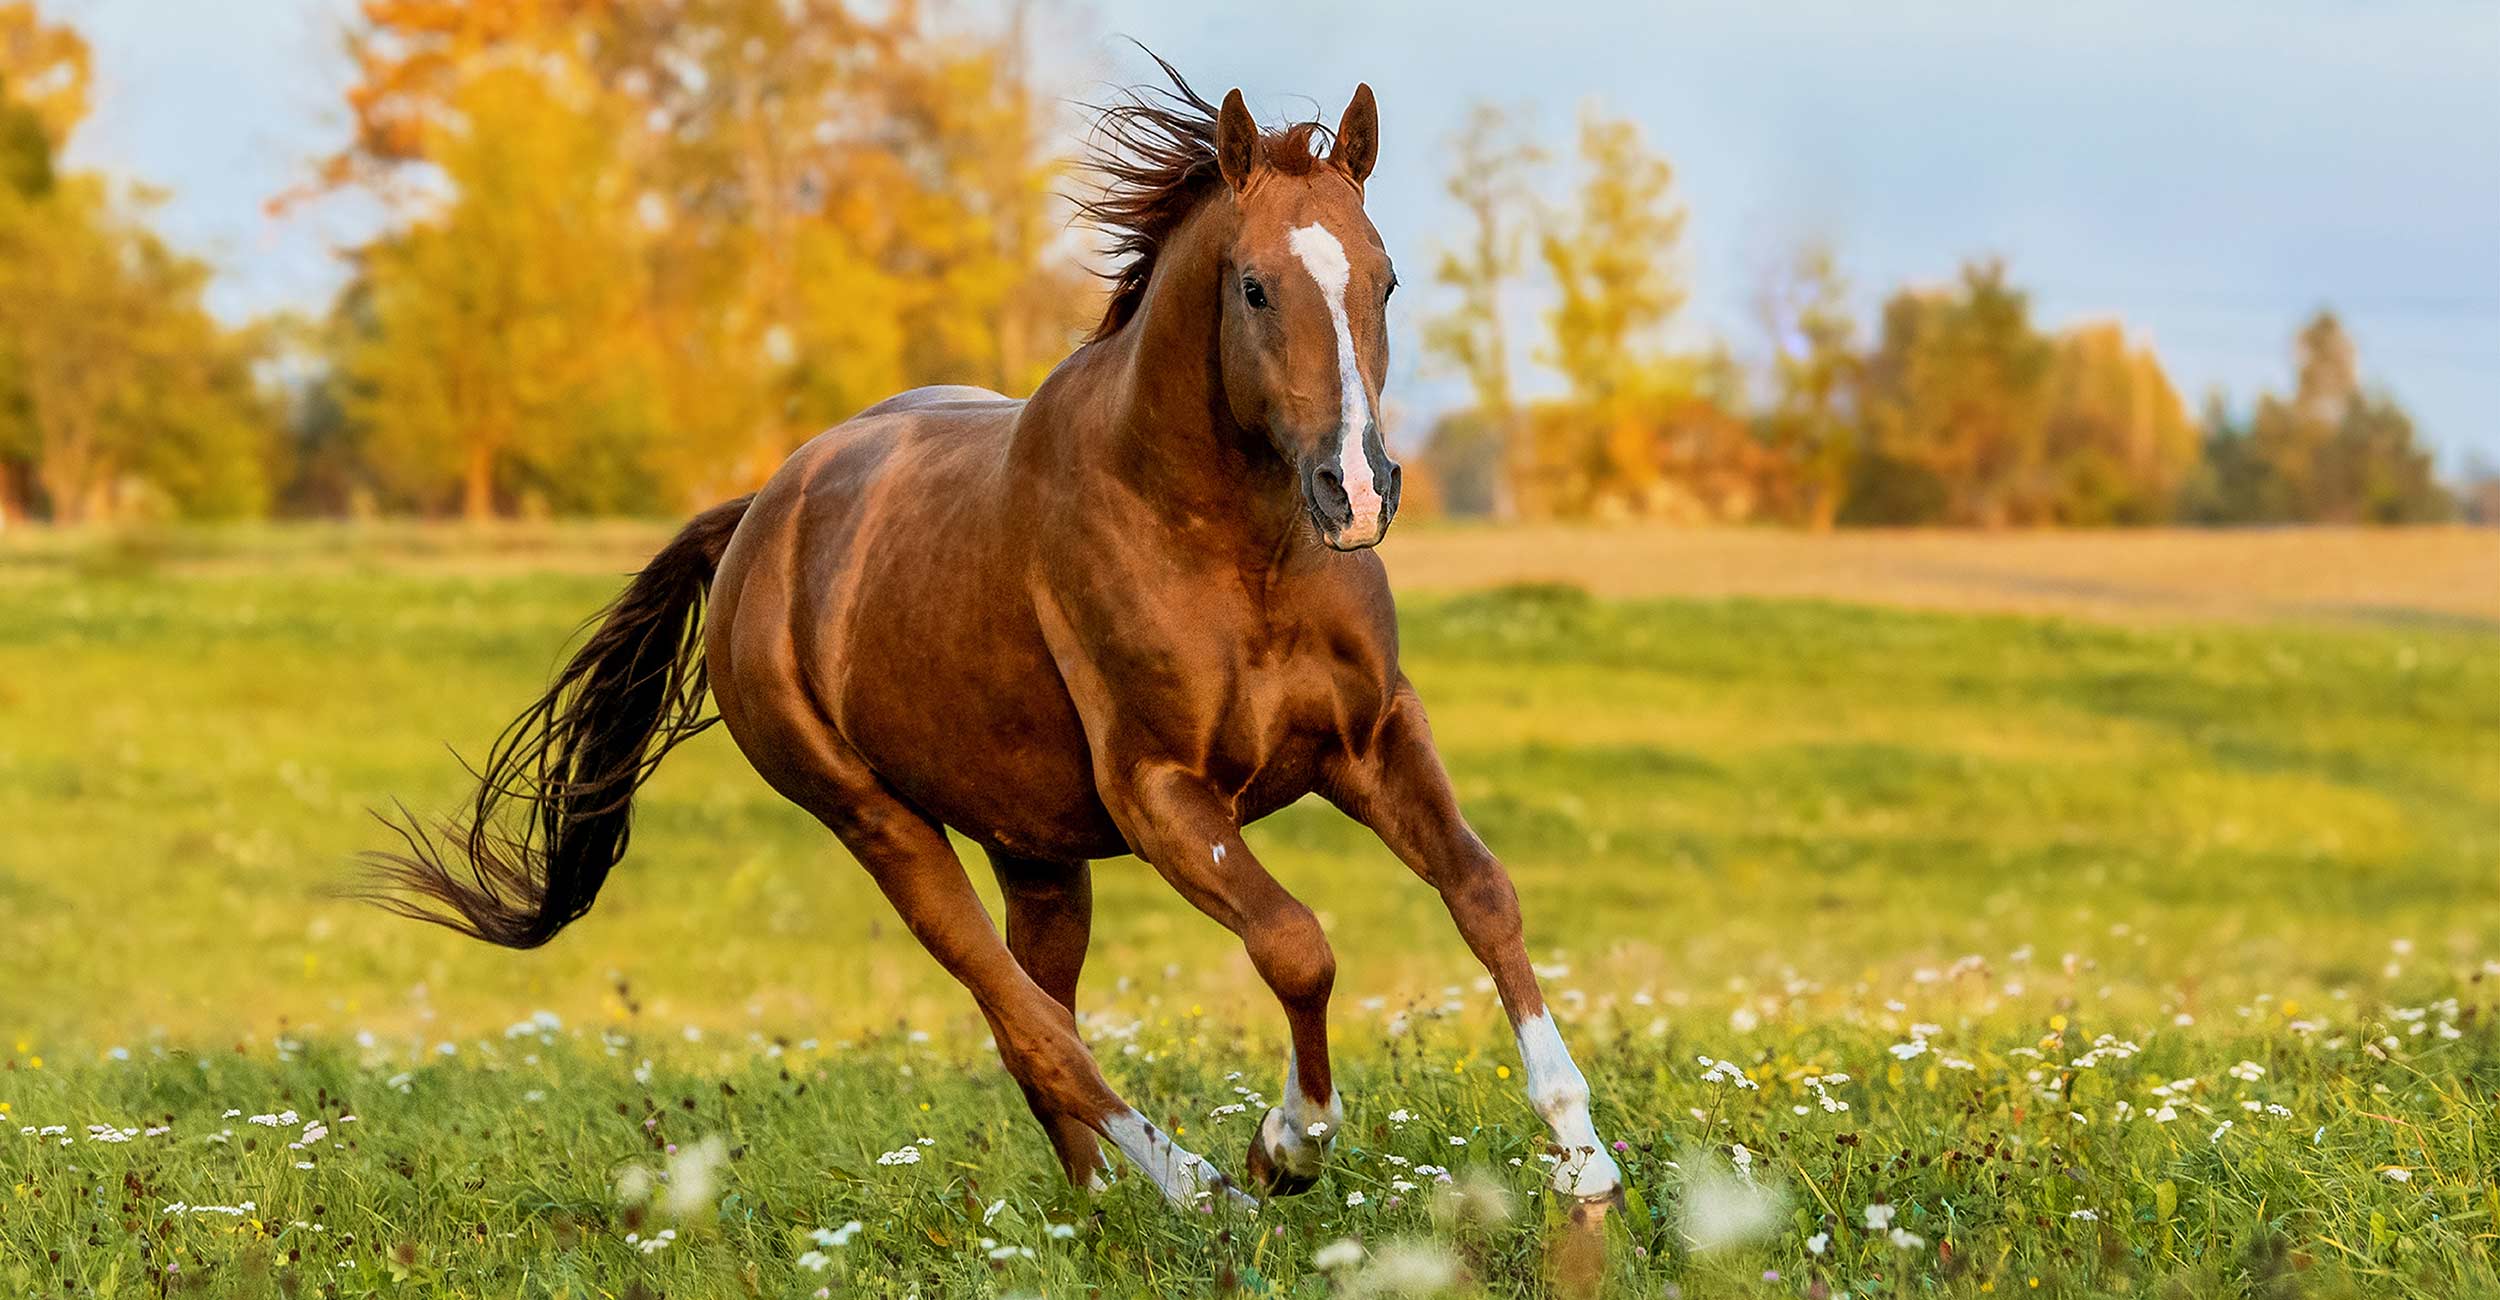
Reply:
x=1130, y=614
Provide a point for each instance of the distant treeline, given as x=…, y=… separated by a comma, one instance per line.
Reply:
x=638, y=252
x=1959, y=410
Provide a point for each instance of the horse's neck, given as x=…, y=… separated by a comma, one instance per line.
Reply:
x=1162, y=426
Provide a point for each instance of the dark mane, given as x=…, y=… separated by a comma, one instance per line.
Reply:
x=1154, y=150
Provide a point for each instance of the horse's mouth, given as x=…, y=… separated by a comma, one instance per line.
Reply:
x=1347, y=539
x=1343, y=525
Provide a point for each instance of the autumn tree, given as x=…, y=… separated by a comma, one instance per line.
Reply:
x=2117, y=441
x=1613, y=256
x=1613, y=259
x=815, y=204
x=507, y=347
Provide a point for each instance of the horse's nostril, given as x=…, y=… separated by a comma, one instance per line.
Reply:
x=1330, y=479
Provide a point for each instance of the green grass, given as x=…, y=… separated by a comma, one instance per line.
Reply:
x=1792, y=836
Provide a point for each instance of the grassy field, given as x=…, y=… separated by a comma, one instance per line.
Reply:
x=2157, y=956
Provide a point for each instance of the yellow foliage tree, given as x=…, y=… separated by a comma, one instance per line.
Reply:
x=508, y=350
x=1613, y=257
x=2119, y=441
x=820, y=206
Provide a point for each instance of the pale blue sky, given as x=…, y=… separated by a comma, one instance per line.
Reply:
x=2209, y=173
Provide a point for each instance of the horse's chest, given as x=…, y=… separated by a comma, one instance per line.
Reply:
x=1285, y=716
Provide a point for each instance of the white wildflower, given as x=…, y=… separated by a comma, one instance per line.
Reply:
x=692, y=1176
x=1410, y=1268
x=1345, y=1252
x=1724, y=1072
x=1723, y=1209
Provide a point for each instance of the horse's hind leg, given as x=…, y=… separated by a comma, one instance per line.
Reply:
x=918, y=872
x=1050, y=920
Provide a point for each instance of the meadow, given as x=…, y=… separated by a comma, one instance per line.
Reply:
x=1909, y=952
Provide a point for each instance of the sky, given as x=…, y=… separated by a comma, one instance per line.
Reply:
x=2209, y=173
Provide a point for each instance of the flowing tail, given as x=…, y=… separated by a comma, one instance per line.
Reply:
x=554, y=804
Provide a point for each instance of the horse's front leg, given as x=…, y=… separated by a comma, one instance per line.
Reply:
x=1401, y=791
x=1175, y=821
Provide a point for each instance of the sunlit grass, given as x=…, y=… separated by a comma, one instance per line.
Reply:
x=1944, y=855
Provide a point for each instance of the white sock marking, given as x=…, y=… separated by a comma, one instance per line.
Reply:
x=1324, y=257
x=1560, y=1093
x=1286, y=1130
x=1184, y=1176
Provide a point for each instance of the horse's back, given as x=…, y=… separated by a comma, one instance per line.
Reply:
x=932, y=396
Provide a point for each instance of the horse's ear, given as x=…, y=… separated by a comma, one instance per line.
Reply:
x=1236, y=141
x=1358, y=135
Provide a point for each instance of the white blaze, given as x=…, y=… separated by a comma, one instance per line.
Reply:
x=1561, y=1094
x=1325, y=259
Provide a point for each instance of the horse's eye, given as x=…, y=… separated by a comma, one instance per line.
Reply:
x=1391, y=291
x=1252, y=294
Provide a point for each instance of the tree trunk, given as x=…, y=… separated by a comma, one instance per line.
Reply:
x=477, y=483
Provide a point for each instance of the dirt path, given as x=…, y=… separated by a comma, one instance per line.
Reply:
x=2441, y=575
x=2437, y=574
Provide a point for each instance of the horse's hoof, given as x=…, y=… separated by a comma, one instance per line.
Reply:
x=1588, y=1213
x=1271, y=1176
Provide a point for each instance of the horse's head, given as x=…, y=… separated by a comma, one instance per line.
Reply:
x=1305, y=339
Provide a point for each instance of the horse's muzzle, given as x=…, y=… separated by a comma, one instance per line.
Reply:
x=1343, y=522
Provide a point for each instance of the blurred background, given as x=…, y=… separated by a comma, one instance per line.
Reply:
x=2095, y=265
x=350, y=351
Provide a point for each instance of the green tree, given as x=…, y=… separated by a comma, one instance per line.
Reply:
x=1816, y=371
x=117, y=388
x=1956, y=391
x=2332, y=451
x=127, y=387
x=1492, y=168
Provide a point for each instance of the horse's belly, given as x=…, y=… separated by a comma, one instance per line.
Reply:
x=974, y=728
